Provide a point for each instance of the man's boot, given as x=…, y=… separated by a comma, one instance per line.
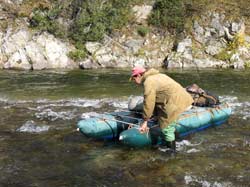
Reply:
x=168, y=147
x=171, y=146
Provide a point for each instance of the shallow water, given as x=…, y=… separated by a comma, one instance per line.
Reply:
x=40, y=147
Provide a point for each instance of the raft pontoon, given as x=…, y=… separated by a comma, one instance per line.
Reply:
x=124, y=125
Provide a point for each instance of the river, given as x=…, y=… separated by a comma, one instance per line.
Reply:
x=39, y=144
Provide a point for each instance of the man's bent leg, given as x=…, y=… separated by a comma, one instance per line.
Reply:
x=168, y=144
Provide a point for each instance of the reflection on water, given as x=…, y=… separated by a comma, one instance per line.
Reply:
x=40, y=147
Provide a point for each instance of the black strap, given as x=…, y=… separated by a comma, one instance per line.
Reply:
x=110, y=128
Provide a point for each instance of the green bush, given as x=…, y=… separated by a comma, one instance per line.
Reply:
x=224, y=55
x=232, y=47
x=143, y=31
x=44, y=20
x=94, y=18
x=247, y=64
x=168, y=14
x=77, y=55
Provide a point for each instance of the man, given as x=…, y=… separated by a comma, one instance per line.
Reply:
x=166, y=97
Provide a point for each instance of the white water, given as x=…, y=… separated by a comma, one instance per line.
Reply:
x=52, y=110
x=32, y=127
x=189, y=179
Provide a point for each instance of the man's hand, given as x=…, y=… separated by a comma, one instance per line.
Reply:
x=144, y=127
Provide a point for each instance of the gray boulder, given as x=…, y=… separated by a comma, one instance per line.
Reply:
x=88, y=64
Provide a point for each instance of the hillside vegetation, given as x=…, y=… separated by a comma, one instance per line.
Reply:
x=90, y=20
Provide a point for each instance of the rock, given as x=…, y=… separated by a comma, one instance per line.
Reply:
x=88, y=64
x=1, y=61
x=124, y=62
x=14, y=40
x=1, y=54
x=237, y=27
x=247, y=39
x=19, y=2
x=183, y=45
x=20, y=49
x=55, y=52
x=209, y=63
x=216, y=23
x=228, y=36
x=214, y=47
x=140, y=62
x=182, y=57
x=237, y=62
x=92, y=47
x=35, y=54
x=106, y=60
x=174, y=60
x=155, y=62
x=134, y=45
x=142, y=12
x=244, y=52
x=198, y=32
x=18, y=60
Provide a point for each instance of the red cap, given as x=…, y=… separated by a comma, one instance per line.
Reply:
x=137, y=70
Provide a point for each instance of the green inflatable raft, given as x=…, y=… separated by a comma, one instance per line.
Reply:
x=124, y=125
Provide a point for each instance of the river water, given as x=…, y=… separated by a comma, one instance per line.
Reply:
x=39, y=146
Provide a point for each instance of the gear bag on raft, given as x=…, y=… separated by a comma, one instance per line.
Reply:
x=202, y=97
x=135, y=103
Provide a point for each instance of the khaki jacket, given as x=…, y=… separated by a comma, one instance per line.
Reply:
x=166, y=95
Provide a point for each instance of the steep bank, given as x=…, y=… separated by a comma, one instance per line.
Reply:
x=213, y=38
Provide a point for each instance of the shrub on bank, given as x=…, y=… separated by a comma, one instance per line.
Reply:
x=45, y=20
x=95, y=18
x=90, y=20
x=168, y=14
x=143, y=30
x=77, y=55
